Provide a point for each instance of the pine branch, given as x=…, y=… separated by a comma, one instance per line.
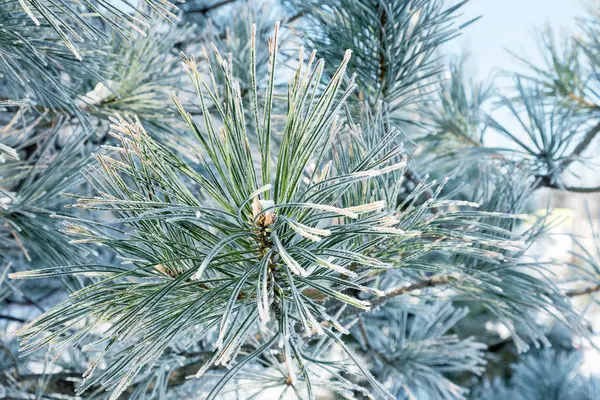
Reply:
x=208, y=8
x=296, y=16
x=585, y=142
x=582, y=292
x=363, y=333
x=414, y=177
x=72, y=25
x=583, y=102
x=574, y=189
x=12, y=318
x=383, y=88
x=545, y=181
x=389, y=70
x=543, y=143
x=406, y=349
x=427, y=283
x=283, y=220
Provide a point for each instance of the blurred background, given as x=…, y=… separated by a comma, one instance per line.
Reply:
x=513, y=27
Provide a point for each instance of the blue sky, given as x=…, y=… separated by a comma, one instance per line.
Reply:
x=509, y=24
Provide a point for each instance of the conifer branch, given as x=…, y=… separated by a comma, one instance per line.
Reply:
x=12, y=318
x=208, y=8
x=582, y=146
x=268, y=237
x=584, y=291
x=399, y=291
x=574, y=189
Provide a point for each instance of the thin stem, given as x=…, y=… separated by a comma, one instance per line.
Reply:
x=416, y=179
x=545, y=182
x=582, y=292
x=585, y=142
x=431, y=282
x=206, y=9
x=582, y=189
x=296, y=16
x=11, y=318
x=363, y=333
x=583, y=102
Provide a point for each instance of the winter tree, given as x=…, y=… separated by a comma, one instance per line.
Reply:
x=287, y=199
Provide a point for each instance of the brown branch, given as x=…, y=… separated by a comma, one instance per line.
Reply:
x=437, y=280
x=545, y=182
x=583, y=102
x=206, y=9
x=363, y=333
x=585, y=142
x=579, y=149
x=581, y=292
x=13, y=319
x=296, y=16
x=575, y=189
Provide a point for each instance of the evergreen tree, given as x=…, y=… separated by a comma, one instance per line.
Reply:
x=196, y=204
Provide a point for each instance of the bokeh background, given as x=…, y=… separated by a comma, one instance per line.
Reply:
x=512, y=27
